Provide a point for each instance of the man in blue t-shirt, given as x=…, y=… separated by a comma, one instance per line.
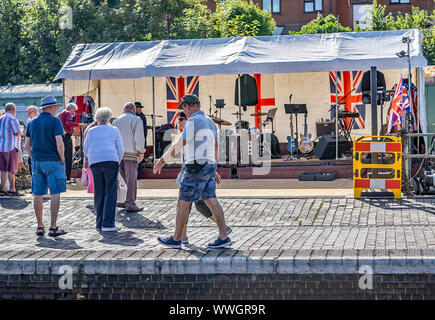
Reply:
x=44, y=145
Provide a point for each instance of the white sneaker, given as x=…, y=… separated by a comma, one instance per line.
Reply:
x=110, y=229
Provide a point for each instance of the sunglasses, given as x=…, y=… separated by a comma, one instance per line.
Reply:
x=181, y=119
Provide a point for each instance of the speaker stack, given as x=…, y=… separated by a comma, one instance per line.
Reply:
x=325, y=148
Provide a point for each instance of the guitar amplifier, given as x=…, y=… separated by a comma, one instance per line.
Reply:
x=325, y=148
x=325, y=128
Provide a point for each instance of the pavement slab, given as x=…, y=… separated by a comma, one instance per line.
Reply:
x=299, y=235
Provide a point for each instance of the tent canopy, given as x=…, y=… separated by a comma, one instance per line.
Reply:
x=270, y=54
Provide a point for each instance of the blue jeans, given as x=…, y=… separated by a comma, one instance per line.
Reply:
x=105, y=176
x=48, y=175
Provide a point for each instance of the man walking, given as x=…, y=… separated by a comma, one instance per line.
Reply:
x=10, y=146
x=199, y=139
x=44, y=144
x=140, y=114
x=65, y=116
x=132, y=133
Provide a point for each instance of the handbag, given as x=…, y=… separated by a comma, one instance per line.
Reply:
x=85, y=181
x=122, y=189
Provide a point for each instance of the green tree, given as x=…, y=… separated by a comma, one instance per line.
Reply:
x=417, y=19
x=237, y=18
x=197, y=20
x=328, y=24
x=11, y=12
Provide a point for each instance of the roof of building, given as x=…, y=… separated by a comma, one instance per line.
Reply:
x=30, y=91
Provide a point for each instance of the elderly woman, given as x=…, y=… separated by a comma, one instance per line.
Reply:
x=104, y=149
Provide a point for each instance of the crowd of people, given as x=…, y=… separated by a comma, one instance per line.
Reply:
x=112, y=152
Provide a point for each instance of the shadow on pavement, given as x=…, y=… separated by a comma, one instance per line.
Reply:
x=57, y=243
x=14, y=204
x=125, y=238
x=133, y=220
x=136, y=220
x=395, y=204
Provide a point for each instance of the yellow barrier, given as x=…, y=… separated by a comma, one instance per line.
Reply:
x=377, y=149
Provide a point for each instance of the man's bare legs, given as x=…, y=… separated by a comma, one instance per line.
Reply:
x=218, y=215
x=54, y=209
x=183, y=211
x=11, y=178
x=37, y=206
x=184, y=233
x=4, y=178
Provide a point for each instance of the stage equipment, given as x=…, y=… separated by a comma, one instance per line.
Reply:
x=325, y=148
x=305, y=145
x=248, y=91
x=295, y=109
x=325, y=128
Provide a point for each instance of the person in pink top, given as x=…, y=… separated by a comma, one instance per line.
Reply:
x=66, y=117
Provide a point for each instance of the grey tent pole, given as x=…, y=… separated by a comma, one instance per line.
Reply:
x=336, y=116
x=240, y=102
x=154, y=121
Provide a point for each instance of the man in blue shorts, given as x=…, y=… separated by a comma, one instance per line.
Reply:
x=199, y=139
x=44, y=145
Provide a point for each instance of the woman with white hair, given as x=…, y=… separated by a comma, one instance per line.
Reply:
x=104, y=149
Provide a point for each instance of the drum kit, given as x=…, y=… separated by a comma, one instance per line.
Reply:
x=229, y=138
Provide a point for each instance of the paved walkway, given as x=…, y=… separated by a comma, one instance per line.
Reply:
x=270, y=236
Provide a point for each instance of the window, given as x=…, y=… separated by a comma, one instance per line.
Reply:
x=313, y=6
x=273, y=6
x=400, y=1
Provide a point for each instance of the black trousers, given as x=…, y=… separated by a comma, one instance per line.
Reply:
x=105, y=176
x=67, y=141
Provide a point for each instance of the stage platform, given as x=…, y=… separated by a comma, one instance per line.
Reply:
x=278, y=169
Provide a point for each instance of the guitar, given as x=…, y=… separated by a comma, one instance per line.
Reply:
x=292, y=144
x=306, y=145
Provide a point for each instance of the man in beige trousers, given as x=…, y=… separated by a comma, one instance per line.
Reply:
x=132, y=133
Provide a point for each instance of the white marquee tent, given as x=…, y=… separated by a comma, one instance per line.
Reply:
x=115, y=73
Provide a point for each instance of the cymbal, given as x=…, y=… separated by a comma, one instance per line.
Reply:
x=225, y=123
x=259, y=114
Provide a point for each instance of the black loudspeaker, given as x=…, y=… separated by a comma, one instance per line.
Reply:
x=248, y=91
x=365, y=83
x=325, y=148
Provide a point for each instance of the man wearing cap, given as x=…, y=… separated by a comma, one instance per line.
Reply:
x=44, y=145
x=199, y=180
x=132, y=133
x=65, y=116
x=32, y=113
x=139, y=113
x=10, y=146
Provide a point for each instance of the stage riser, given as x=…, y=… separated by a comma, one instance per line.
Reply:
x=343, y=171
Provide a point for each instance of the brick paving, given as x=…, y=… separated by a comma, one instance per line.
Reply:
x=270, y=236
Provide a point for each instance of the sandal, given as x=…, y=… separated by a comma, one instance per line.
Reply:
x=4, y=193
x=14, y=193
x=54, y=232
x=40, y=231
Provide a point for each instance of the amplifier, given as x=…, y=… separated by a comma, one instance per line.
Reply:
x=325, y=128
x=325, y=148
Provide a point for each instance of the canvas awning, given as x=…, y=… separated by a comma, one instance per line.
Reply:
x=270, y=54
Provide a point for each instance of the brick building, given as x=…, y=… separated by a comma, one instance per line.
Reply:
x=293, y=14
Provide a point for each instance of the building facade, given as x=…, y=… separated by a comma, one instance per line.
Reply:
x=293, y=14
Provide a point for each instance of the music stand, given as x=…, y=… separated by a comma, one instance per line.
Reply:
x=296, y=108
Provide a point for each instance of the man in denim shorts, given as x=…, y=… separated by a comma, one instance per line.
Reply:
x=44, y=145
x=199, y=139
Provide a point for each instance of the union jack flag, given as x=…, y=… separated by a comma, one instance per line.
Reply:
x=348, y=83
x=177, y=88
x=400, y=105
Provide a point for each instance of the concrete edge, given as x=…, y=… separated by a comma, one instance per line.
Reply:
x=211, y=265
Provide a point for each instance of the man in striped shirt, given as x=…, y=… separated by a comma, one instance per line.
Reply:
x=10, y=145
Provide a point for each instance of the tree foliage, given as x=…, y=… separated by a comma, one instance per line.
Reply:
x=380, y=21
x=328, y=24
x=33, y=47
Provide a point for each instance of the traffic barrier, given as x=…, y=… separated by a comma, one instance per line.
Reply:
x=383, y=175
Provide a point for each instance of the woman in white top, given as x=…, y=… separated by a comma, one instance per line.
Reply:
x=104, y=149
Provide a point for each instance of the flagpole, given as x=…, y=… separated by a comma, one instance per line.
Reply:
x=154, y=121
x=336, y=116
